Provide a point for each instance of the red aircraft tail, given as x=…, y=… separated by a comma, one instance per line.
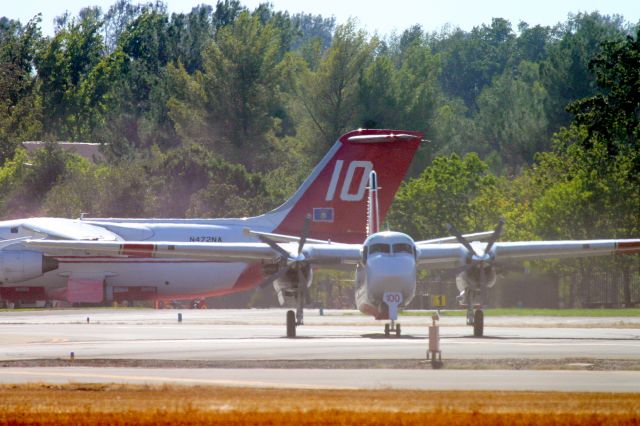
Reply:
x=335, y=192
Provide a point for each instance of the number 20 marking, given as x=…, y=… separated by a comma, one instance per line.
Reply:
x=345, y=195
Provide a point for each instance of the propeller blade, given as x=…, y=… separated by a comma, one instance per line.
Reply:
x=460, y=238
x=495, y=236
x=283, y=253
x=301, y=284
x=305, y=232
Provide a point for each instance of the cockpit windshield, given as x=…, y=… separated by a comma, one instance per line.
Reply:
x=403, y=248
x=379, y=248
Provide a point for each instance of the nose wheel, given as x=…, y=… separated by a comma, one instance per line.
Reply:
x=478, y=323
x=476, y=319
x=392, y=327
x=291, y=324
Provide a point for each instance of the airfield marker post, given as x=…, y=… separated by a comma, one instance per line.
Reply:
x=434, y=343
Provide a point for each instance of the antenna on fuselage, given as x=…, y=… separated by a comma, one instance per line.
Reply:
x=373, y=211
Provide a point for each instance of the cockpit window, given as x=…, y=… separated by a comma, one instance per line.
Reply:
x=403, y=248
x=379, y=248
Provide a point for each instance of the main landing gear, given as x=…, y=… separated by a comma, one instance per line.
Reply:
x=294, y=319
x=475, y=315
x=392, y=327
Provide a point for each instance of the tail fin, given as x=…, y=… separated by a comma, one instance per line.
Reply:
x=334, y=193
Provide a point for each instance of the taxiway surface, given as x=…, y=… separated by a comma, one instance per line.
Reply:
x=255, y=334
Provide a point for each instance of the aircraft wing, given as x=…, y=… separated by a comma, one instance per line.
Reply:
x=570, y=248
x=477, y=236
x=68, y=229
x=317, y=254
x=440, y=255
x=452, y=255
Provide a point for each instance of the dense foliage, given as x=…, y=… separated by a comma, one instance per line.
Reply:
x=222, y=112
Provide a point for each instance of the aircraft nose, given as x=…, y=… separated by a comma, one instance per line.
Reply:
x=397, y=273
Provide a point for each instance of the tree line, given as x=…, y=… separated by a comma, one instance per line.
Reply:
x=222, y=111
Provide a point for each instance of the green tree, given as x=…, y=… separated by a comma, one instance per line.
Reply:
x=471, y=60
x=565, y=71
x=242, y=76
x=613, y=116
x=455, y=190
x=63, y=66
x=232, y=105
x=19, y=106
x=512, y=117
x=329, y=95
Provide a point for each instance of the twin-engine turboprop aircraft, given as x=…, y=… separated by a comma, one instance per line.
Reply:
x=334, y=195
x=385, y=264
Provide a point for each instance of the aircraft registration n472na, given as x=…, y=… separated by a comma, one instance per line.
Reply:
x=385, y=264
x=334, y=195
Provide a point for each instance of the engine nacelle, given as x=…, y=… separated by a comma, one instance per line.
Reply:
x=287, y=286
x=471, y=278
x=22, y=265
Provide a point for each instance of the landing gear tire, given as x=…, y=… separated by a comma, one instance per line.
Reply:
x=386, y=329
x=398, y=332
x=478, y=323
x=291, y=324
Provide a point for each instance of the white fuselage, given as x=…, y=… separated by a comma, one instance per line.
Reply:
x=389, y=265
x=173, y=278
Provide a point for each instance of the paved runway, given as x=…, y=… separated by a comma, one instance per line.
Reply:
x=259, y=334
x=338, y=335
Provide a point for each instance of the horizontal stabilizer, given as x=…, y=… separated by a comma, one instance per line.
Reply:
x=281, y=238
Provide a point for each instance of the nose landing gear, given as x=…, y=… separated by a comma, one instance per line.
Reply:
x=476, y=319
x=392, y=327
x=392, y=300
x=291, y=324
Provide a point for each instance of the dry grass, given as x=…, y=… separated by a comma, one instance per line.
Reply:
x=137, y=404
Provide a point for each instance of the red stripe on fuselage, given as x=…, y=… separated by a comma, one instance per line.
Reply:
x=137, y=250
x=628, y=247
x=250, y=278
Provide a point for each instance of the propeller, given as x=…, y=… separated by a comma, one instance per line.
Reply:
x=461, y=239
x=287, y=259
x=474, y=260
x=495, y=236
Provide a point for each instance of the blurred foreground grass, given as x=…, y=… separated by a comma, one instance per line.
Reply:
x=82, y=404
